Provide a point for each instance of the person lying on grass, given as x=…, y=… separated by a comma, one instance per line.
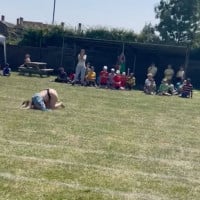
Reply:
x=44, y=100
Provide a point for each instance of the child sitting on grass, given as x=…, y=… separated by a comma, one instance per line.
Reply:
x=6, y=70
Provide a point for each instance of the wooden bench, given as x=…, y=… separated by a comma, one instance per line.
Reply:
x=35, y=68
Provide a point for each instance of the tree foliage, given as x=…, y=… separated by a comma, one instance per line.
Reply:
x=148, y=35
x=179, y=20
x=112, y=34
x=53, y=35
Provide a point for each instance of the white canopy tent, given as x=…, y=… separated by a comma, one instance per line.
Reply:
x=3, y=42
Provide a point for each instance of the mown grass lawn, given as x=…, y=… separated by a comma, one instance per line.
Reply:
x=104, y=145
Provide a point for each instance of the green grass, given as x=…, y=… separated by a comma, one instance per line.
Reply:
x=105, y=144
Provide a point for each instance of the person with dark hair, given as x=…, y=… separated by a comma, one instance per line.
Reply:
x=62, y=76
x=6, y=70
x=131, y=81
x=187, y=89
x=44, y=100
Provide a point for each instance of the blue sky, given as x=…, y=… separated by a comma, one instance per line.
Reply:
x=127, y=14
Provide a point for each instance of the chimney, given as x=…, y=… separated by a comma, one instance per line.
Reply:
x=79, y=27
x=21, y=20
x=17, y=21
x=62, y=24
x=2, y=18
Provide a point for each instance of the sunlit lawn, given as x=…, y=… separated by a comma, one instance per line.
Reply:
x=105, y=144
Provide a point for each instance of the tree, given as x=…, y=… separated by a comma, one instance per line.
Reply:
x=179, y=20
x=148, y=34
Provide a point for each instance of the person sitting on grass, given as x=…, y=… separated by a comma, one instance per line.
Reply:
x=187, y=89
x=117, y=81
x=110, y=78
x=6, y=70
x=123, y=79
x=91, y=77
x=150, y=85
x=130, y=82
x=103, y=77
x=62, y=76
x=164, y=88
x=44, y=100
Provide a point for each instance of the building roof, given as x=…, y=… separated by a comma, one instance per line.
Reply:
x=8, y=24
x=154, y=48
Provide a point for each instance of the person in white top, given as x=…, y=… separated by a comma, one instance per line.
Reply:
x=180, y=75
x=80, y=68
x=150, y=85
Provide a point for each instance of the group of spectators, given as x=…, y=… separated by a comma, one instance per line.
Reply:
x=85, y=75
x=182, y=86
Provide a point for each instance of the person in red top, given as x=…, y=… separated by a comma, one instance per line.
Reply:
x=117, y=80
x=123, y=79
x=104, y=77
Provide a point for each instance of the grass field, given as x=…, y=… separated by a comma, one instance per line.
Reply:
x=104, y=145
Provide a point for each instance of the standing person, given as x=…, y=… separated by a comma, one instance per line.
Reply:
x=80, y=68
x=44, y=100
x=180, y=75
x=121, y=63
x=152, y=69
x=169, y=73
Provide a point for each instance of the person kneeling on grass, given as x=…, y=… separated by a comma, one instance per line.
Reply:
x=45, y=100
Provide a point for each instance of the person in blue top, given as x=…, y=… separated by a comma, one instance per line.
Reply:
x=6, y=70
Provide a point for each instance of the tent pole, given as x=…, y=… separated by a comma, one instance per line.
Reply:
x=5, y=56
x=134, y=63
x=187, y=57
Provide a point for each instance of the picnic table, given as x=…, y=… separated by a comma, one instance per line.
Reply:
x=35, y=68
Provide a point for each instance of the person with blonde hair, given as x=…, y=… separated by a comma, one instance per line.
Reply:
x=150, y=85
x=44, y=100
x=80, y=68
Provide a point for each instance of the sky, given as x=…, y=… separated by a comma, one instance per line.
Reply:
x=125, y=14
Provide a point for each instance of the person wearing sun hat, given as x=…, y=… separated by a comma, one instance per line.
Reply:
x=149, y=85
x=117, y=80
x=103, y=82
